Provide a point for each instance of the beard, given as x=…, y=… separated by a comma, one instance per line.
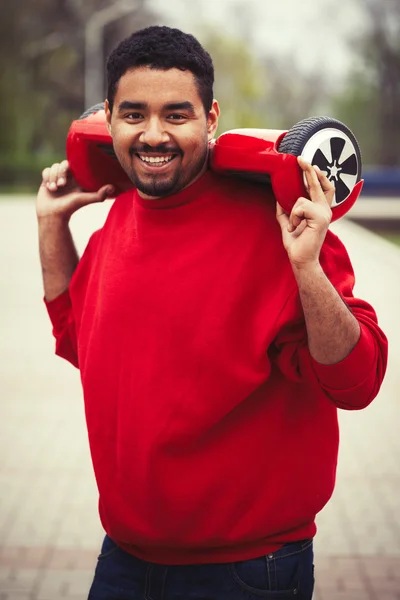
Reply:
x=154, y=185
x=158, y=186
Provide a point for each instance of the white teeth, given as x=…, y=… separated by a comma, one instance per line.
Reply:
x=155, y=159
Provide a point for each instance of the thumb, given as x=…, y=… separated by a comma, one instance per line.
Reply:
x=281, y=217
x=107, y=191
x=85, y=198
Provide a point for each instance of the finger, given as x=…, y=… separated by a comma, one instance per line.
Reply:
x=296, y=217
x=281, y=216
x=309, y=172
x=327, y=186
x=45, y=175
x=299, y=212
x=63, y=173
x=314, y=187
x=107, y=191
x=53, y=177
x=57, y=175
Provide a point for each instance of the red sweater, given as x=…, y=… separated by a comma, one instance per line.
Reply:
x=213, y=432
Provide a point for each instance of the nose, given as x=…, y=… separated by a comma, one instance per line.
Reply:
x=154, y=133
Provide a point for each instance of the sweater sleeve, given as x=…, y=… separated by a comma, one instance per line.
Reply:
x=64, y=312
x=64, y=330
x=355, y=381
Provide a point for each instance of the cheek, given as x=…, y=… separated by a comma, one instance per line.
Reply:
x=122, y=136
x=195, y=144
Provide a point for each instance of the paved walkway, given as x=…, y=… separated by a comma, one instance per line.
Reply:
x=49, y=529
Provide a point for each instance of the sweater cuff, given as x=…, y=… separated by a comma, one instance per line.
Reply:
x=352, y=370
x=58, y=308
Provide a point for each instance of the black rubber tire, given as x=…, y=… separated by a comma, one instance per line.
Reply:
x=299, y=135
x=91, y=110
x=106, y=148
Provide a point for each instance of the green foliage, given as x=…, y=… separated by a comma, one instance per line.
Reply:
x=358, y=107
x=41, y=82
x=292, y=94
x=391, y=236
x=371, y=101
x=257, y=91
x=23, y=172
x=239, y=82
x=41, y=79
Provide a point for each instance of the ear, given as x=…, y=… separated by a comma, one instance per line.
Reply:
x=212, y=120
x=108, y=115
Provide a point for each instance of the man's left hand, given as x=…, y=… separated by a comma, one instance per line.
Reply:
x=304, y=230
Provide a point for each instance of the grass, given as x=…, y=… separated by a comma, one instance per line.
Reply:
x=9, y=191
x=391, y=236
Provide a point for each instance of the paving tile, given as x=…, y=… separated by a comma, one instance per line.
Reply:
x=81, y=581
x=50, y=533
x=16, y=596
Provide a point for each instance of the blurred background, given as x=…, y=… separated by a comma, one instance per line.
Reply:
x=276, y=62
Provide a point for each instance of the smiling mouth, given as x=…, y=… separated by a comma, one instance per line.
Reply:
x=156, y=161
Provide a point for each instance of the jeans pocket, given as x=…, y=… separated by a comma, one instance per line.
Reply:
x=286, y=573
x=108, y=548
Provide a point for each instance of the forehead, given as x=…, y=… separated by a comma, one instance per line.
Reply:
x=155, y=86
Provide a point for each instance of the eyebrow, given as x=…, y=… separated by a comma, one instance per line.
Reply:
x=127, y=105
x=185, y=106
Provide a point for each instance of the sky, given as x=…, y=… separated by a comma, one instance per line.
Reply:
x=315, y=33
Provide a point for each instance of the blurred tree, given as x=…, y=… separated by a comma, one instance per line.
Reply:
x=262, y=91
x=292, y=94
x=357, y=105
x=239, y=82
x=41, y=76
x=370, y=104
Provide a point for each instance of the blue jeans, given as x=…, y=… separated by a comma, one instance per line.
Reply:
x=287, y=573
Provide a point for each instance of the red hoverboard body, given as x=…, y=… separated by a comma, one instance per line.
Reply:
x=263, y=155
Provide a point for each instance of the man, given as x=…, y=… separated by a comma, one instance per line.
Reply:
x=216, y=337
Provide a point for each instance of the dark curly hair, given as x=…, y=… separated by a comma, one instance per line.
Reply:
x=162, y=48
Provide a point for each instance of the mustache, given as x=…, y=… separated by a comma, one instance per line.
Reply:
x=161, y=149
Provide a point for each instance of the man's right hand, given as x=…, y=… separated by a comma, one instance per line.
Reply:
x=60, y=196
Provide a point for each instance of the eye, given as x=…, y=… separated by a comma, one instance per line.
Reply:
x=133, y=116
x=176, y=117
